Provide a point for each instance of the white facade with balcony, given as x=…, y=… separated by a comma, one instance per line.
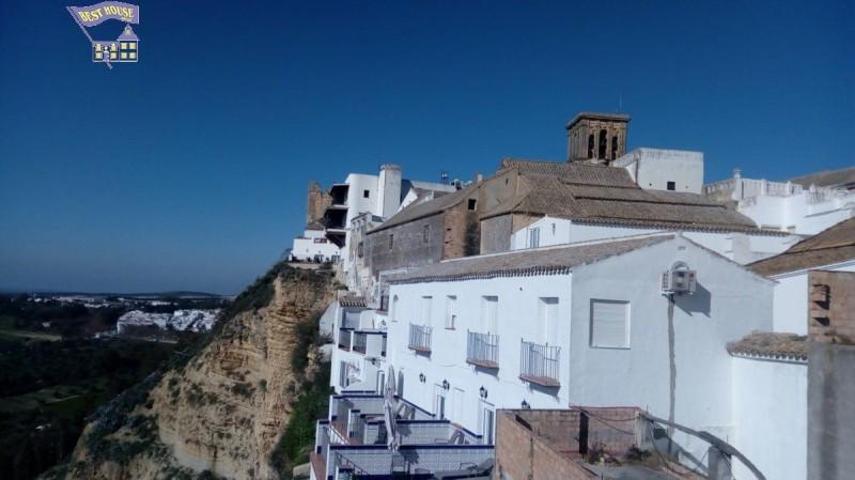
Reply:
x=597, y=335
x=314, y=246
x=786, y=206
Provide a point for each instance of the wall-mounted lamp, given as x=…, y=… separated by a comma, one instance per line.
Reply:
x=525, y=405
x=483, y=392
x=422, y=377
x=445, y=385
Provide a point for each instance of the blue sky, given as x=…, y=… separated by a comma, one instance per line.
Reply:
x=188, y=170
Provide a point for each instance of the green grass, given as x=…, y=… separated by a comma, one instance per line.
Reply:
x=27, y=335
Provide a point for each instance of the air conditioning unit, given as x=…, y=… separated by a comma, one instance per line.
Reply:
x=679, y=280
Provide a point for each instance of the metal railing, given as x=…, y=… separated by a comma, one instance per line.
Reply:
x=420, y=338
x=539, y=363
x=482, y=349
x=344, y=338
x=359, y=342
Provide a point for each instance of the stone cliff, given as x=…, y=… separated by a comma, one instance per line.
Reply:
x=219, y=411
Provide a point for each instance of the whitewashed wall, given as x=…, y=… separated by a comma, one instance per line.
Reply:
x=770, y=412
x=653, y=168
x=739, y=247
x=791, y=298
x=517, y=311
x=730, y=303
x=805, y=213
x=305, y=247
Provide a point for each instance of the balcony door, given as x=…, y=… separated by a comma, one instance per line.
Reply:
x=487, y=414
x=439, y=402
x=490, y=314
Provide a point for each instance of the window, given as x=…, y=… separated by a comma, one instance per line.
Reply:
x=450, y=312
x=534, y=237
x=591, y=146
x=601, y=154
x=391, y=240
x=439, y=402
x=366, y=193
x=381, y=382
x=393, y=309
x=490, y=314
x=124, y=45
x=426, y=310
x=99, y=55
x=488, y=416
x=112, y=55
x=133, y=45
x=360, y=249
x=471, y=204
x=614, y=147
x=609, y=324
x=124, y=55
x=426, y=234
x=132, y=55
x=547, y=314
x=553, y=229
x=671, y=186
x=113, y=47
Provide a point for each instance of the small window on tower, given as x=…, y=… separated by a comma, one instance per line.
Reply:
x=614, y=147
x=471, y=204
x=366, y=193
x=591, y=146
x=671, y=186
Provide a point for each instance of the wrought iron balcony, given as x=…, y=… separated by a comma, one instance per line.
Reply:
x=539, y=363
x=420, y=338
x=482, y=349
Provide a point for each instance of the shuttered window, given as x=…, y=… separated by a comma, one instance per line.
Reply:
x=609, y=324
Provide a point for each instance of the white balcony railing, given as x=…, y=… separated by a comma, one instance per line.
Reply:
x=482, y=349
x=420, y=338
x=539, y=364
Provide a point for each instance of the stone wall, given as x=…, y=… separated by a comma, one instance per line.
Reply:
x=462, y=232
x=496, y=234
x=831, y=375
x=317, y=201
x=408, y=247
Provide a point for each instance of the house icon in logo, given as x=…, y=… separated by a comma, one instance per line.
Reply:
x=123, y=49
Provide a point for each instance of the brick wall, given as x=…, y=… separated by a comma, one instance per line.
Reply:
x=831, y=306
x=546, y=444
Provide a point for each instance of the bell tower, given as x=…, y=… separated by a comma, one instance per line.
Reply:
x=596, y=137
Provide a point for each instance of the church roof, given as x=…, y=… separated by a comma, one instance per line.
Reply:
x=620, y=117
x=588, y=193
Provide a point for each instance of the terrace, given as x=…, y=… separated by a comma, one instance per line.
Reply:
x=352, y=443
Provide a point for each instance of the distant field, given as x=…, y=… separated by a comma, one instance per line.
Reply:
x=49, y=337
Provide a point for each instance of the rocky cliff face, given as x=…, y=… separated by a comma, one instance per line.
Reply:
x=221, y=411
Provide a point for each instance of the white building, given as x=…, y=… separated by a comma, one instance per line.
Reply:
x=314, y=246
x=379, y=195
x=805, y=205
x=582, y=324
x=664, y=169
x=743, y=247
x=832, y=249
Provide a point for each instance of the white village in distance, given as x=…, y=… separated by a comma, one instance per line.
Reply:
x=538, y=320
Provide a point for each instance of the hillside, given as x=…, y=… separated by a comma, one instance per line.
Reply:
x=220, y=411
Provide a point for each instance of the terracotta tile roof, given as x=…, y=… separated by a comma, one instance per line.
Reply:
x=602, y=194
x=835, y=244
x=543, y=261
x=352, y=301
x=428, y=208
x=779, y=345
x=828, y=178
